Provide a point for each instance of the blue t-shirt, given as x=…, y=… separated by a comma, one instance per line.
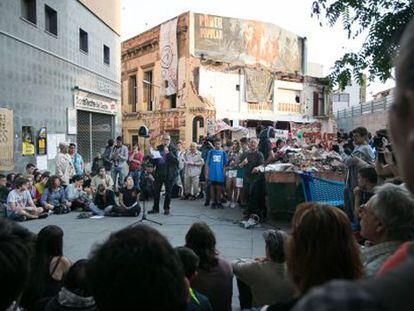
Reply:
x=216, y=160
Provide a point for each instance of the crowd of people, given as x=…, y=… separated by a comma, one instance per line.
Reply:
x=358, y=258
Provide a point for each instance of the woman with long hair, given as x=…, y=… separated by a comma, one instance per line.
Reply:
x=48, y=268
x=54, y=198
x=321, y=248
x=215, y=276
x=232, y=190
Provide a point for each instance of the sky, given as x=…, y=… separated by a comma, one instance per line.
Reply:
x=325, y=44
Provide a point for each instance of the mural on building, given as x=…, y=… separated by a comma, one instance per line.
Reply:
x=169, y=57
x=259, y=86
x=251, y=42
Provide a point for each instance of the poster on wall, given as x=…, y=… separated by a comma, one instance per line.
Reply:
x=72, y=121
x=53, y=141
x=6, y=140
x=28, y=146
x=251, y=42
x=259, y=86
x=169, y=57
x=41, y=141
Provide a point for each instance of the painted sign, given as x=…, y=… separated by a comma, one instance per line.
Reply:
x=251, y=42
x=93, y=104
x=259, y=86
x=169, y=57
x=6, y=140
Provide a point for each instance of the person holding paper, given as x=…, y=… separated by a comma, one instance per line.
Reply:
x=166, y=171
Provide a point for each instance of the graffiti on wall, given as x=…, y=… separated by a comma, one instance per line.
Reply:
x=251, y=42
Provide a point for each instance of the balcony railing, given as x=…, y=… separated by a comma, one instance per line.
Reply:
x=382, y=104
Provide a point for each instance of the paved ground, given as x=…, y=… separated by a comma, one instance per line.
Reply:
x=233, y=241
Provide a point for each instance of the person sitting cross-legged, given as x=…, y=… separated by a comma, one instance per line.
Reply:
x=104, y=201
x=79, y=197
x=54, y=198
x=128, y=200
x=190, y=261
x=102, y=178
x=20, y=205
x=265, y=281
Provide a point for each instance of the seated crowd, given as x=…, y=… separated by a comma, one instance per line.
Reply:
x=35, y=196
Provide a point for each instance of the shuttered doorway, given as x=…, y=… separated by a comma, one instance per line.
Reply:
x=94, y=130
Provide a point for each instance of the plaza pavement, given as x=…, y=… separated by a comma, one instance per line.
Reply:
x=233, y=241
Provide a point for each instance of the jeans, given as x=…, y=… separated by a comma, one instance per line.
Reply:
x=118, y=177
x=168, y=183
x=96, y=210
x=135, y=176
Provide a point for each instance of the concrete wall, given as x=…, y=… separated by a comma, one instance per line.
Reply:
x=109, y=11
x=40, y=70
x=372, y=121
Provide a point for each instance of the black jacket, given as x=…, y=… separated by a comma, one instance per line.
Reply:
x=166, y=168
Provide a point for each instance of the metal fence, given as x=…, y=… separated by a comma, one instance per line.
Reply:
x=376, y=105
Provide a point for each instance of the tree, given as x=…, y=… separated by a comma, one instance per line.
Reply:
x=382, y=21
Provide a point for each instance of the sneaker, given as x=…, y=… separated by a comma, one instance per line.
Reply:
x=166, y=212
x=21, y=218
x=220, y=205
x=43, y=215
x=206, y=203
x=153, y=211
x=251, y=222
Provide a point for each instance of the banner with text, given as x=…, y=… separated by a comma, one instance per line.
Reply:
x=251, y=42
x=169, y=57
x=6, y=140
x=259, y=86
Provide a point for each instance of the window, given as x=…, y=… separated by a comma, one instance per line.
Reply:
x=106, y=55
x=83, y=40
x=134, y=140
x=51, y=20
x=29, y=10
x=148, y=89
x=173, y=100
x=132, y=92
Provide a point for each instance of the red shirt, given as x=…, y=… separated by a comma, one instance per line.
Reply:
x=133, y=166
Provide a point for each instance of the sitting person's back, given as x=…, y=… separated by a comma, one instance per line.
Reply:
x=48, y=268
x=215, y=275
x=266, y=279
x=190, y=262
x=74, y=294
x=137, y=269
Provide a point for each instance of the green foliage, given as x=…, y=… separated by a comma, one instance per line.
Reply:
x=383, y=21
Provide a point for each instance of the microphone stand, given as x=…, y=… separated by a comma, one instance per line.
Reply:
x=144, y=211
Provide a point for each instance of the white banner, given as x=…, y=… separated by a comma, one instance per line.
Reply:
x=95, y=105
x=168, y=57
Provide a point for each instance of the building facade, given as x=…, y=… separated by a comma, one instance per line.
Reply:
x=194, y=70
x=353, y=95
x=60, y=63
